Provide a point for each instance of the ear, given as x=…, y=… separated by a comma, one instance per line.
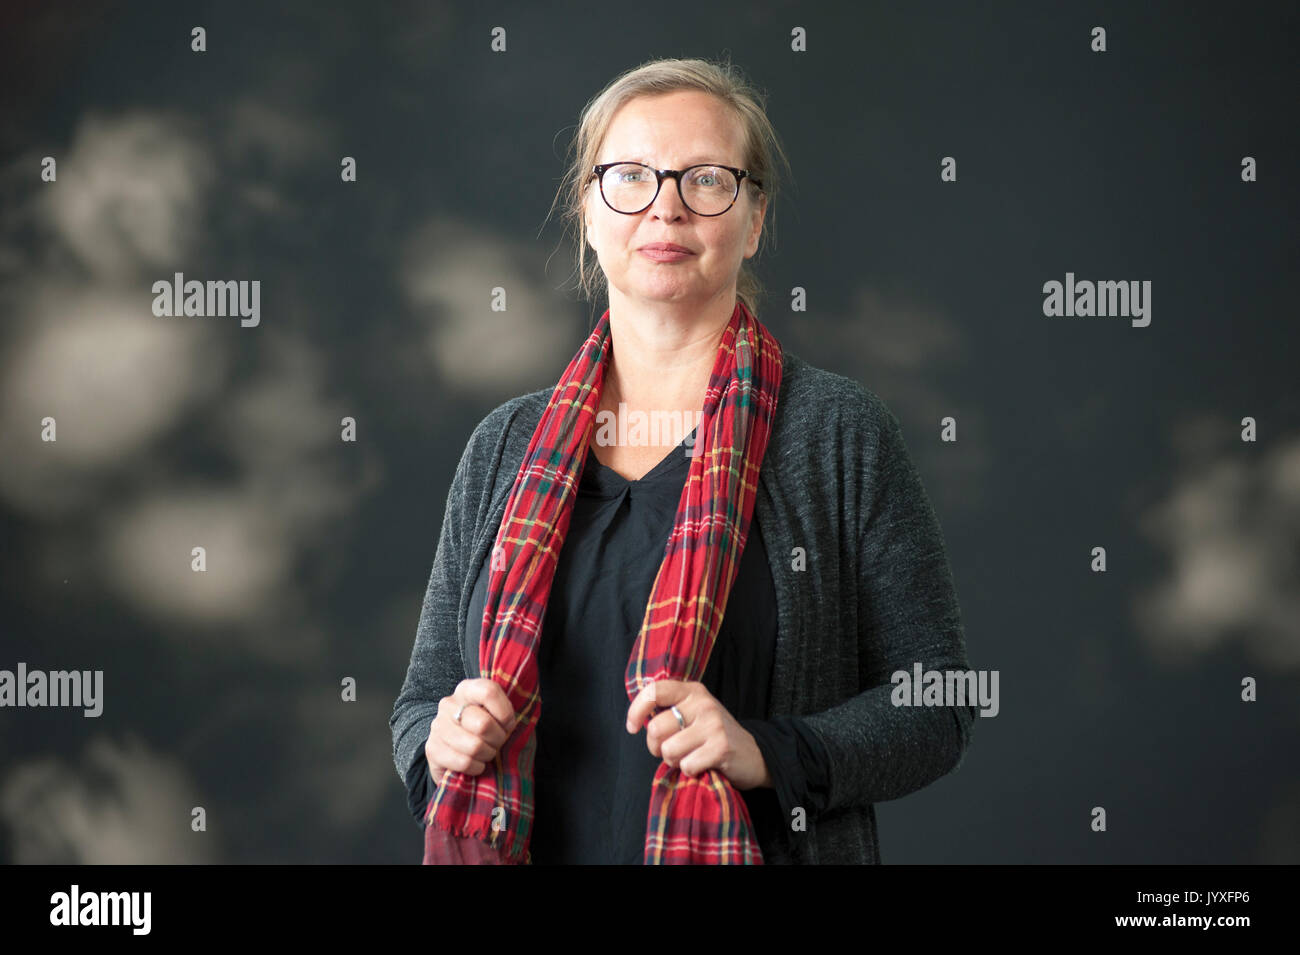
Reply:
x=758, y=215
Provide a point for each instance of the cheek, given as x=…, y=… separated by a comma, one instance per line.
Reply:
x=618, y=237
x=730, y=244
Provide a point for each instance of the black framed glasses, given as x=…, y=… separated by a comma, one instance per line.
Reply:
x=707, y=189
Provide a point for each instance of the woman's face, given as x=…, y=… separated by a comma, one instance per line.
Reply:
x=673, y=131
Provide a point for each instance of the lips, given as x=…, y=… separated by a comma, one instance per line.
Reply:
x=665, y=247
x=666, y=252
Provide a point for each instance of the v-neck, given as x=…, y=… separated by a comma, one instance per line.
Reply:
x=604, y=481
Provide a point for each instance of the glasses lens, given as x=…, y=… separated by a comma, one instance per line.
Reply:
x=629, y=186
x=708, y=190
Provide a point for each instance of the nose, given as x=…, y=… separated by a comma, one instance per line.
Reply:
x=668, y=204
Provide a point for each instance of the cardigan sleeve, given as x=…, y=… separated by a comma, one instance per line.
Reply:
x=419, y=787
x=796, y=760
x=436, y=665
x=907, y=613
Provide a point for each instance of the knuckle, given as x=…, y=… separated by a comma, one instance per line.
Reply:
x=482, y=748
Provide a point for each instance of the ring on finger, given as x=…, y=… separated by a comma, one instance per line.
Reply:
x=460, y=712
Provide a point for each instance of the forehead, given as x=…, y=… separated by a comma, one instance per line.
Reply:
x=674, y=129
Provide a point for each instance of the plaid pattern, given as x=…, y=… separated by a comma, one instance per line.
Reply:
x=699, y=819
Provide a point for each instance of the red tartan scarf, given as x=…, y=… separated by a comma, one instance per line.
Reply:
x=702, y=819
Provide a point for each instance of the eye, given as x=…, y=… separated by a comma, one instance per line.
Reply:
x=710, y=177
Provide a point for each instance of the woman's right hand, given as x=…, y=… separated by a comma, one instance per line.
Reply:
x=468, y=746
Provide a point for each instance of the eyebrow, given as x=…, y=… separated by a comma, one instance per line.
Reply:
x=693, y=161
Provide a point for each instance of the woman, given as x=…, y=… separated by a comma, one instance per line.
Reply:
x=712, y=619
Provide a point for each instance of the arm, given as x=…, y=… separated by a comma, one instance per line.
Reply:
x=907, y=612
x=436, y=665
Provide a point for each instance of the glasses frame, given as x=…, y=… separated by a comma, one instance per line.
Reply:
x=661, y=174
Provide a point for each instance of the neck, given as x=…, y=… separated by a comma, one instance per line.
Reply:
x=662, y=353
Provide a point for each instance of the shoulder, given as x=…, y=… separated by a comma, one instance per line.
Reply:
x=817, y=406
x=500, y=439
x=507, y=419
x=836, y=434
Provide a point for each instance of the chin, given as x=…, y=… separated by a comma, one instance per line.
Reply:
x=661, y=293
x=662, y=285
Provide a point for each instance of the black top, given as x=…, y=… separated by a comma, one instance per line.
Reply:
x=592, y=777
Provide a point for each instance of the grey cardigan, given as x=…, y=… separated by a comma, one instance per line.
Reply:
x=863, y=589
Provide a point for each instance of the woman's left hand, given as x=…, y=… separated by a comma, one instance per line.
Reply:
x=712, y=739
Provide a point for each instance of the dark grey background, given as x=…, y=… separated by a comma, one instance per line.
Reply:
x=1119, y=690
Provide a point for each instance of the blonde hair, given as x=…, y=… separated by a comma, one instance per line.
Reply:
x=761, y=149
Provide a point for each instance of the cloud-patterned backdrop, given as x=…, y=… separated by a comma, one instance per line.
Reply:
x=222, y=689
